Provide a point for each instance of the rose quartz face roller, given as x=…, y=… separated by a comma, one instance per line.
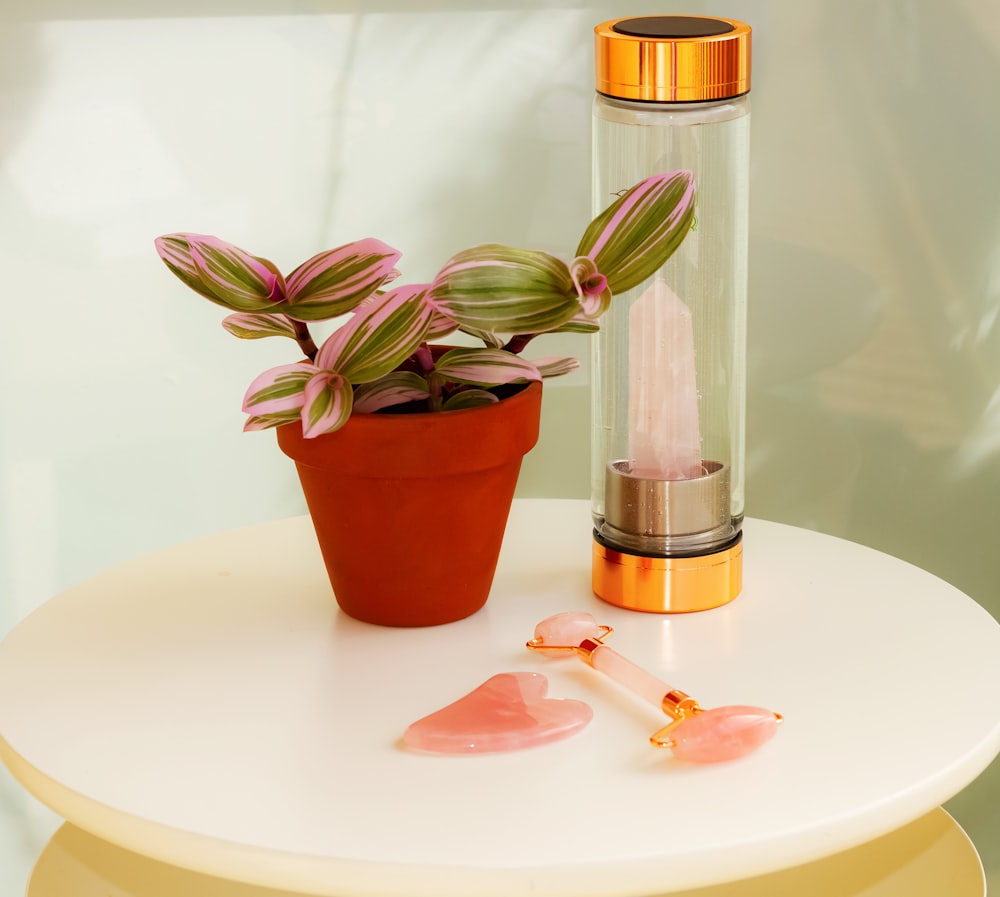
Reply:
x=701, y=736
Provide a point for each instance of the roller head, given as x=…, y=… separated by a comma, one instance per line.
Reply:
x=567, y=630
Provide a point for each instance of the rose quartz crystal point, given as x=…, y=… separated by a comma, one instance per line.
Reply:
x=723, y=733
x=508, y=712
x=664, y=435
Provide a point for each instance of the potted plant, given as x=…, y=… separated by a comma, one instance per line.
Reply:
x=408, y=451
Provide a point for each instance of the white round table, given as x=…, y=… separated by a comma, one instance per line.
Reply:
x=209, y=707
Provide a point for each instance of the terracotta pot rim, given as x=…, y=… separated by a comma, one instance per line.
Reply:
x=505, y=426
x=379, y=419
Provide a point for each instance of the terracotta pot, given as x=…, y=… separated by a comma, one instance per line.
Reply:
x=410, y=509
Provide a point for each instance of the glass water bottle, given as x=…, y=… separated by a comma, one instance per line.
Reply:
x=669, y=378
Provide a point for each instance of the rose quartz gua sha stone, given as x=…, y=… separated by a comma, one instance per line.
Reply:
x=701, y=736
x=508, y=712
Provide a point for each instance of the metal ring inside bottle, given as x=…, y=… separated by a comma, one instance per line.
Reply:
x=650, y=515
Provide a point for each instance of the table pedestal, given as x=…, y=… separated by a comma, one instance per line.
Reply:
x=926, y=858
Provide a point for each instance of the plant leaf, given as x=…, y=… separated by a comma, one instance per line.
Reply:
x=247, y=325
x=555, y=367
x=495, y=288
x=578, y=325
x=173, y=249
x=394, y=388
x=591, y=287
x=637, y=233
x=334, y=282
x=379, y=336
x=484, y=367
x=266, y=421
x=328, y=402
x=491, y=339
x=440, y=325
x=469, y=398
x=278, y=390
x=222, y=272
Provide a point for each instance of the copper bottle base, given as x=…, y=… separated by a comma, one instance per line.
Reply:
x=662, y=585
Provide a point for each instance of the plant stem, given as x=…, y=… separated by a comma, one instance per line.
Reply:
x=305, y=340
x=518, y=342
x=425, y=359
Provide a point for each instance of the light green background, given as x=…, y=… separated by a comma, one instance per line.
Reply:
x=288, y=126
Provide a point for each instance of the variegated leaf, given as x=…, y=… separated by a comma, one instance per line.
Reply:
x=334, y=282
x=637, y=233
x=440, y=325
x=591, y=287
x=267, y=421
x=231, y=276
x=484, y=367
x=394, y=388
x=328, y=402
x=379, y=336
x=247, y=325
x=173, y=249
x=469, y=398
x=555, y=367
x=496, y=288
x=578, y=325
x=491, y=339
x=279, y=389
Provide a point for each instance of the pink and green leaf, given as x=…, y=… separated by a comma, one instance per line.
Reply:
x=222, y=272
x=173, y=249
x=248, y=325
x=469, y=398
x=393, y=389
x=554, y=366
x=591, y=287
x=279, y=389
x=636, y=234
x=379, y=336
x=440, y=325
x=267, y=421
x=484, y=367
x=500, y=289
x=334, y=282
x=492, y=340
x=578, y=324
x=328, y=399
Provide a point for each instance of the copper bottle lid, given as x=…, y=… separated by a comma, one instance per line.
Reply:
x=672, y=59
